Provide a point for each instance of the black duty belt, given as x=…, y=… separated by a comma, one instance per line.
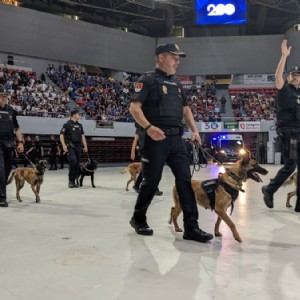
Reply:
x=171, y=131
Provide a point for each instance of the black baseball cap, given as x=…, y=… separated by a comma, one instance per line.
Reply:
x=294, y=69
x=74, y=112
x=3, y=91
x=172, y=48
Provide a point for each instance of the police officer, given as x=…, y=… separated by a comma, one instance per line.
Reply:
x=137, y=146
x=288, y=126
x=29, y=151
x=8, y=125
x=158, y=105
x=38, y=149
x=53, y=152
x=71, y=138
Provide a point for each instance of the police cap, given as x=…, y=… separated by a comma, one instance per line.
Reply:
x=3, y=91
x=294, y=69
x=172, y=48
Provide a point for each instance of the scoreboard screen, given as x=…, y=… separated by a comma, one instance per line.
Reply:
x=220, y=12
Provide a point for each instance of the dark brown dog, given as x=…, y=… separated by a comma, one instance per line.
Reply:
x=134, y=169
x=289, y=181
x=232, y=181
x=34, y=176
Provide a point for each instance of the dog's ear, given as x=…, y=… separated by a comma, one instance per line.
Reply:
x=246, y=158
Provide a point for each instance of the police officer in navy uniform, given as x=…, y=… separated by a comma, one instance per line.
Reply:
x=53, y=152
x=158, y=105
x=288, y=126
x=8, y=126
x=72, y=138
x=137, y=146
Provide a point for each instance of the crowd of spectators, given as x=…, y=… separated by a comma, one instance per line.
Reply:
x=100, y=96
x=203, y=102
x=32, y=96
x=254, y=105
x=106, y=100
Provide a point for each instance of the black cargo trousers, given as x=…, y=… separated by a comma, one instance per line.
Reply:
x=291, y=160
x=154, y=156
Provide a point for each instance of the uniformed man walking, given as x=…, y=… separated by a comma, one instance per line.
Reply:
x=288, y=126
x=158, y=105
x=8, y=126
x=72, y=138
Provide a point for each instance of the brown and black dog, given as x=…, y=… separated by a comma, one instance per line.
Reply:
x=225, y=191
x=34, y=176
x=289, y=181
x=134, y=169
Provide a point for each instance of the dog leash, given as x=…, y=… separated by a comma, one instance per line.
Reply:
x=196, y=148
x=32, y=164
x=87, y=154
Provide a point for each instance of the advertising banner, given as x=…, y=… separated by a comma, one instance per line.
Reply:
x=249, y=126
x=211, y=126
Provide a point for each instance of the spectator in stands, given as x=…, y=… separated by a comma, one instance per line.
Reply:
x=288, y=126
x=223, y=103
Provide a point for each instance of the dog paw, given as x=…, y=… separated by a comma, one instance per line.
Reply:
x=218, y=234
x=178, y=230
x=289, y=205
x=94, y=186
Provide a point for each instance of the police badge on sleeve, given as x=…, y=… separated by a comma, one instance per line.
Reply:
x=138, y=87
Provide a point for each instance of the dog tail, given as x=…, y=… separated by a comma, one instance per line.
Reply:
x=292, y=179
x=11, y=177
x=124, y=171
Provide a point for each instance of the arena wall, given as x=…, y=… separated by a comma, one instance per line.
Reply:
x=36, y=34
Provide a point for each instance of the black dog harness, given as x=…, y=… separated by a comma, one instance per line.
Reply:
x=210, y=186
x=86, y=169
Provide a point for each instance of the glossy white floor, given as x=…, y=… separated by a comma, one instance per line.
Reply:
x=77, y=244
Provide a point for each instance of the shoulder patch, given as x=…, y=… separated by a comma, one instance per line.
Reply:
x=138, y=87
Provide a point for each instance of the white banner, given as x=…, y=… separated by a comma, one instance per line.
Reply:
x=259, y=78
x=211, y=126
x=249, y=126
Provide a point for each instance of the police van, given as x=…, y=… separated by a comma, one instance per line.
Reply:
x=227, y=147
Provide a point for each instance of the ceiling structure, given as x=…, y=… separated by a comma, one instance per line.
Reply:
x=157, y=18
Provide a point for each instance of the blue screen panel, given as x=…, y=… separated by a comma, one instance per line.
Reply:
x=220, y=11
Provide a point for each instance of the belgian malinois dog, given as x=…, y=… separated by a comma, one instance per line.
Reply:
x=225, y=191
x=289, y=181
x=34, y=176
x=134, y=169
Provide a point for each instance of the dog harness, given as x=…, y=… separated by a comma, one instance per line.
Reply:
x=210, y=186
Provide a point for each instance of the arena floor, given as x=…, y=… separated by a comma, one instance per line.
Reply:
x=77, y=244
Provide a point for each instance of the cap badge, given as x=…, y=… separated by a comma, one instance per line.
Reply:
x=176, y=46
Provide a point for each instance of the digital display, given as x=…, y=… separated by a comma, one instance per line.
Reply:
x=220, y=11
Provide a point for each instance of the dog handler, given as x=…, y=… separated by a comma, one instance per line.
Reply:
x=8, y=126
x=71, y=138
x=288, y=126
x=158, y=105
